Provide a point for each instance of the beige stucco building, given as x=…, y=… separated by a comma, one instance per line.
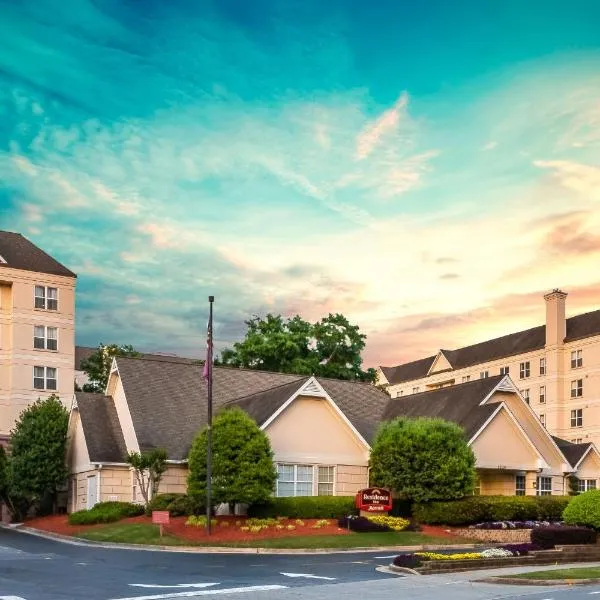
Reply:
x=320, y=430
x=556, y=367
x=37, y=319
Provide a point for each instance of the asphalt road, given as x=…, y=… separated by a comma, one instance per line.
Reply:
x=33, y=568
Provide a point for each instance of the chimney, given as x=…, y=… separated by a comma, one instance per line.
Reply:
x=556, y=322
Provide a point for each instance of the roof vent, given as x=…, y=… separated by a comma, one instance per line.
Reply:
x=312, y=388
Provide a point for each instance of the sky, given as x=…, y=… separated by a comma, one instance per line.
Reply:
x=428, y=169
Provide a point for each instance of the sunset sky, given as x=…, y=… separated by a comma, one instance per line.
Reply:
x=429, y=169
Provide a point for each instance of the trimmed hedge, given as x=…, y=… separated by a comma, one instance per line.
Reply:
x=106, y=512
x=548, y=537
x=584, y=510
x=178, y=505
x=361, y=525
x=476, y=509
x=306, y=507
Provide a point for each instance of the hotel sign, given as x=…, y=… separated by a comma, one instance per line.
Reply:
x=374, y=500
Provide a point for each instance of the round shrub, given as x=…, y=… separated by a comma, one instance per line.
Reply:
x=584, y=510
x=408, y=561
x=549, y=537
x=106, y=512
x=361, y=525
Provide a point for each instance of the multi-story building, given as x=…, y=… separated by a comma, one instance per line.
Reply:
x=37, y=328
x=555, y=366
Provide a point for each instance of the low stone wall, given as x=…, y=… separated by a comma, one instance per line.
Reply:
x=498, y=536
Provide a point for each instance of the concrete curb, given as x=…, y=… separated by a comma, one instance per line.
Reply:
x=57, y=537
x=534, y=582
x=403, y=570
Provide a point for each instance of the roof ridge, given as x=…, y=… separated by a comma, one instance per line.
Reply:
x=456, y=385
x=260, y=393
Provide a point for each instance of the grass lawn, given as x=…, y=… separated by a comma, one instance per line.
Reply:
x=581, y=573
x=141, y=533
x=132, y=533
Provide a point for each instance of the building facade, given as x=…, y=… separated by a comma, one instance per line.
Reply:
x=555, y=366
x=37, y=328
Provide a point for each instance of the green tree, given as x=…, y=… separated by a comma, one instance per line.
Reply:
x=3, y=475
x=97, y=366
x=242, y=462
x=38, y=443
x=423, y=459
x=330, y=348
x=149, y=467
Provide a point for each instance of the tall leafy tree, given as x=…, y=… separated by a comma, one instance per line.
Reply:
x=331, y=347
x=38, y=443
x=242, y=462
x=423, y=459
x=97, y=366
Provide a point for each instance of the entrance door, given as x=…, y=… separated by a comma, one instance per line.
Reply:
x=92, y=491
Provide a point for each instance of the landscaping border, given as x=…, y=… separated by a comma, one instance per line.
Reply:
x=539, y=582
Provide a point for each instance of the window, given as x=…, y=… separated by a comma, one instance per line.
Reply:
x=542, y=366
x=45, y=338
x=577, y=417
x=415, y=390
x=519, y=485
x=543, y=419
x=542, y=394
x=294, y=480
x=484, y=374
x=46, y=298
x=325, y=481
x=504, y=370
x=544, y=486
x=525, y=394
x=44, y=378
x=576, y=359
x=398, y=394
x=577, y=440
x=583, y=485
x=577, y=388
x=524, y=370
x=466, y=378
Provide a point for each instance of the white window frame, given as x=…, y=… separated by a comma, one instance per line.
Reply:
x=504, y=370
x=543, y=486
x=525, y=370
x=466, y=378
x=45, y=378
x=576, y=359
x=542, y=396
x=543, y=419
x=45, y=338
x=577, y=440
x=295, y=480
x=543, y=365
x=484, y=374
x=319, y=483
x=520, y=490
x=584, y=485
x=415, y=390
x=577, y=388
x=45, y=297
x=577, y=417
x=526, y=396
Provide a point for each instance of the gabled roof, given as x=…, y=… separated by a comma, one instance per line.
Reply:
x=101, y=428
x=167, y=398
x=530, y=340
x=572, y=452
x=18, y=252
x=460, y=404
x=82, y=353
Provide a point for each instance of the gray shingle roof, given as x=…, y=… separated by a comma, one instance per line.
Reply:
x=84, y=352
x=168, y=398
x=18, y=252
x=530, y=340
x=572, y=452
x=456, y=403
x=101, y=428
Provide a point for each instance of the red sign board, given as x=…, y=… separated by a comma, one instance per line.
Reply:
x=160, y=517
x=374, y=500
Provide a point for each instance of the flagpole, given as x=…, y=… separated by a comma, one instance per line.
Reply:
x=209, y=357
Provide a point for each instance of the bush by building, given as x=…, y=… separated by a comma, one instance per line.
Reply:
x=477, y=509
x=549, y=537
x=584, y=510
x=106, y=512
x=306, y=507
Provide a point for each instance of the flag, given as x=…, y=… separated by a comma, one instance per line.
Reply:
x=209, y=352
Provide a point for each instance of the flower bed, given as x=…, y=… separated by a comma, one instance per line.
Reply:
x=373, y=523
x=514, y=524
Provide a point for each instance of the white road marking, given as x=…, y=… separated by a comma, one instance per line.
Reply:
x=11, y=598
x=179, y=585
x=594, y=593
x=194, y=594
x=307, y=576
x=390, y=556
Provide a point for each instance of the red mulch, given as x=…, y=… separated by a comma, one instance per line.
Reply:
x=437, y=531
x=178, y=528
